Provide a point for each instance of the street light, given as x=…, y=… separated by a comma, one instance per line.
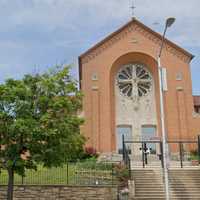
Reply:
x=168, y=24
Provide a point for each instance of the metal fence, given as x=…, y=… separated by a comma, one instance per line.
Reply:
x=181, y=153
x=79, y=173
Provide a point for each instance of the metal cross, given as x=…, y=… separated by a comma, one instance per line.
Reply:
x=133, y=9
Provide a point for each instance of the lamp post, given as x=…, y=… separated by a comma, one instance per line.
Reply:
x=168, y=24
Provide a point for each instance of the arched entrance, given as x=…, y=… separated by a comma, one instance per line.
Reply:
x=135, y=108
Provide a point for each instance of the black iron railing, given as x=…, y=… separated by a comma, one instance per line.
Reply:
x=145, y=150
x=86, y=173
x=178, y=144
x=181, y=150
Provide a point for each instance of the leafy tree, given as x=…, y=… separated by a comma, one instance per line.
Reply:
x=39, y=121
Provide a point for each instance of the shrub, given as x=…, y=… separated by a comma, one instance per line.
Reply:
x=194, y=152
x=89, y=152
x=194, y=155
x=122, y=174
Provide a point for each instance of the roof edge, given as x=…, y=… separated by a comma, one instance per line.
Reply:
x=187, y=53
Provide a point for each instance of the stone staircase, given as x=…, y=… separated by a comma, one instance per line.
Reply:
x=184, y=184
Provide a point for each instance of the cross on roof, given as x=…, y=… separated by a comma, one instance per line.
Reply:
x=133, y=8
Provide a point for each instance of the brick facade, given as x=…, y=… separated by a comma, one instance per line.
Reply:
x=132, y=43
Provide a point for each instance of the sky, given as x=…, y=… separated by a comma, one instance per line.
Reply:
x=37, y=34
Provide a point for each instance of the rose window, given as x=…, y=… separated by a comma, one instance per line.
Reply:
x=134, y=80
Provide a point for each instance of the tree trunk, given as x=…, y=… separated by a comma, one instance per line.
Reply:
x=10, y=184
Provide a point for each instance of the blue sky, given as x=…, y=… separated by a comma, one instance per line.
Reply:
x=36, y=34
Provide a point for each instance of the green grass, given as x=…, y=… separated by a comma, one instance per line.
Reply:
x=83, y=173
x=194, y=157
x=42, y=176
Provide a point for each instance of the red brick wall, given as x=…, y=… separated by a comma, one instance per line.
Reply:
x=99, y=103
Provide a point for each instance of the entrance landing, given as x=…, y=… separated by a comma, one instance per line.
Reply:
x=156, y=164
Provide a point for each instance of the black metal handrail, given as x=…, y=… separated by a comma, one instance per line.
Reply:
x=142, y=141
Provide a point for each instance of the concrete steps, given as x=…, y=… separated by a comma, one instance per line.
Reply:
x=184, y=184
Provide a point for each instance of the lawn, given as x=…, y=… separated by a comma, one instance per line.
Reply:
x=61, y=175
x=83, y=173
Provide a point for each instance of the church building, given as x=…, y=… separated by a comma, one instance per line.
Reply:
x=120, y=82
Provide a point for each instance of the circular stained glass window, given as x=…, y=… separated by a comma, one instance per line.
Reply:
x=134, y=80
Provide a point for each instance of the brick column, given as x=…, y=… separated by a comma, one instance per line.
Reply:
x=182, y=113
x=95, y=118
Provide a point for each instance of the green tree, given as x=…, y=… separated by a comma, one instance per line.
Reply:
x=39, y=116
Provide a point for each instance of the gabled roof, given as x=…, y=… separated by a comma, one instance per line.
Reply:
x=89, y=53
x=134, y=20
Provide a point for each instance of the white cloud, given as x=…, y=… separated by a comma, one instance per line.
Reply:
x=74, y=15
x=36, y=31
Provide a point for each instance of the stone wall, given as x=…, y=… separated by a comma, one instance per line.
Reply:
x=61, y=193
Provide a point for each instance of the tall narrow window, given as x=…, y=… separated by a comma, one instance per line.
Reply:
x=125, y=130
x=149, y=133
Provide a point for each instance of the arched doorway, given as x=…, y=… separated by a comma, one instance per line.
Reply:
x=134, y=107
